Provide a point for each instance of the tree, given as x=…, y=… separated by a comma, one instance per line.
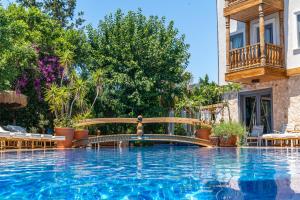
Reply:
x=60, y=10
x=206, y=93
x=144, y=60
x=32, y=56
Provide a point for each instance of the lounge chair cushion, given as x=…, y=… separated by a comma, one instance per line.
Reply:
x=15, y=128
x=3, y=131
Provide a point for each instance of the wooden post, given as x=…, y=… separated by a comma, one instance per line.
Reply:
x=262, y=35
x=19, y=144
x=247, y=33
x=228, y=43
x=282, y=42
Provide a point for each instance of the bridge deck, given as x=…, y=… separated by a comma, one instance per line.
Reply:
x=149, y=137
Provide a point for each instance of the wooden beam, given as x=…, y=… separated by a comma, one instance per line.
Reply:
x=293, y=72
x=246, y=10
x=238, y=7
x=261, y=73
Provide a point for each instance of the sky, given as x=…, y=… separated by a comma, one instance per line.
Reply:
x=196, y=19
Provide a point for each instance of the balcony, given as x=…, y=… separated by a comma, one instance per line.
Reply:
x=247, y=10
x=246, y=65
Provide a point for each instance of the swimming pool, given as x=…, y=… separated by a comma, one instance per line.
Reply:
x=159, y=172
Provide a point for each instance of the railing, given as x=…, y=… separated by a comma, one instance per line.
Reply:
x=274, y=55
x=233, y=2
x=250, y=57
x=149, y=137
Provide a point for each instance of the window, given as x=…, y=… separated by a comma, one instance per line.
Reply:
x=268, y=34
x=237, y=41
x=298, y=29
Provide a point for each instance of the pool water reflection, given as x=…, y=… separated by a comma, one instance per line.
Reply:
x=159, y=172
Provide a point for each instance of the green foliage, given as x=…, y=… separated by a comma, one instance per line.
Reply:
x=179, y=130
x=60, y=10
x=227, y=129
x=26, y=37
x=205, y=93
x=144, y=60
x=33, y=130
x=69, y=102
x=204, y=126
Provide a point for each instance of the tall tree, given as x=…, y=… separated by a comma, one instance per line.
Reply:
x=31, y=48
x=144, y=59
x=60, y=10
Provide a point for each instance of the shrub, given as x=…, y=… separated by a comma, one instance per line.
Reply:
x=204, y=126
x=227, y=129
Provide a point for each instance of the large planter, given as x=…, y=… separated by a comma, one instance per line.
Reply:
x=81, y=136
x=203, y=133
x=214, y=140
x=228, y=141
x=69, y=135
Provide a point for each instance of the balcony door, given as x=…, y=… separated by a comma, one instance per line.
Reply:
x=256, y=109
x=237, y=41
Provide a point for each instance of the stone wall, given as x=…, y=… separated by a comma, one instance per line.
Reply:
x=233, y=106
x=294, y=100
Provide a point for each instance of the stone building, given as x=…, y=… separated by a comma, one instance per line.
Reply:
x=259, y=47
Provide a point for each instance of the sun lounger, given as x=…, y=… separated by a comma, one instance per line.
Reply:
x=287, y=133
x=18, y=137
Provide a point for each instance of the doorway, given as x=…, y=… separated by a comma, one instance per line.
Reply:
x=256, y=109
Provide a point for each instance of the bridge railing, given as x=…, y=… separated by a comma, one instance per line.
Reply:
x=148, y=137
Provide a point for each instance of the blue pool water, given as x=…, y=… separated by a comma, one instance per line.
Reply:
x=159, y=172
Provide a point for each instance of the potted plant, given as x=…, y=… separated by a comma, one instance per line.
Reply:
x=228, y=133
x=203, y=131
x=70, y=101
x=43, y=123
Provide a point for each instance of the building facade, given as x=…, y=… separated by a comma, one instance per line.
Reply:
x=259, y=47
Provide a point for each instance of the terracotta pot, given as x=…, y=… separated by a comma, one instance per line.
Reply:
x=68, y=133
x=228, y=141
x=203, y=133
x=215, y=141
x=82, y=137
x=81, y=134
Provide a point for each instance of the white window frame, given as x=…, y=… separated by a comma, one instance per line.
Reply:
x=297, y=38
x=255, y=26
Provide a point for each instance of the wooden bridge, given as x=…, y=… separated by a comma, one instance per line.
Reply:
x=95, y=141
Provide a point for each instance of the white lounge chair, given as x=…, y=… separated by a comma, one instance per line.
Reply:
x=19, y=134
x=285, y=134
